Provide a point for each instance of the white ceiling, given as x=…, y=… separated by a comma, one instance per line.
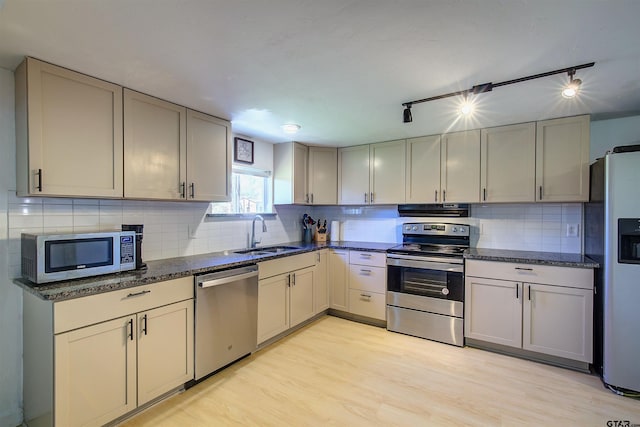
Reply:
x=342, y=68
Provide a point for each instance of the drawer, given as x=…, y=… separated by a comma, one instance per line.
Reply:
x=367, y=278
x=375, y=259
x=531, y=273
x=79, y=312
x=368, y=304
x=286, y=264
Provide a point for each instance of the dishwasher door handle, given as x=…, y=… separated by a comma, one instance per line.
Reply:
x=227, y=279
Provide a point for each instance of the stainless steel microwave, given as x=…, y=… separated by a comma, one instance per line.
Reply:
x=54, y=257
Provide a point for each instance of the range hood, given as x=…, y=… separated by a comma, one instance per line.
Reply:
x=434, y=210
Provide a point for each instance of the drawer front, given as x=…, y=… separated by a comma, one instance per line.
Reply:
x=375, y=259
x=367, y=278
x=531, y=273
x=79, y=312
x=368, y=304
x=283, y=265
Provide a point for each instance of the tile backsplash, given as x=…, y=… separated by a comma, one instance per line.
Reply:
x=526, y=226
x=174, y=229
x=171, y=229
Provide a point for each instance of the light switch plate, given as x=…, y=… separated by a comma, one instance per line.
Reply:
x=573, y=230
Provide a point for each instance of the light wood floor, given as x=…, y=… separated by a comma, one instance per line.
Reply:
x=338, y=372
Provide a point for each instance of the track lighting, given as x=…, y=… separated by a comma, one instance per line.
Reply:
x=571, y=89
x=568, y=92
x=406, y=116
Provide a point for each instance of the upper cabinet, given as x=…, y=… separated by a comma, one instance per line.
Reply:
x=460, y=167
x=387, y=172
x=155, y=141
x=423, y=170
x=372, y=174
x=68, y=133
x=208, y=158
x=78, y=136
x=353, y=175
x=290, y=173
x=323, y=175
x=172, y=153
x=562, y=160
x=507, y=163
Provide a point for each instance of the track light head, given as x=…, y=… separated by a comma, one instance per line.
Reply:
x=571, y=89
x=406, y=115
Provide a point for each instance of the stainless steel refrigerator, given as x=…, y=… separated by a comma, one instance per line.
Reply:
x=612, y=237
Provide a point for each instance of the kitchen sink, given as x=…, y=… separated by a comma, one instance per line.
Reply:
x=266, y=250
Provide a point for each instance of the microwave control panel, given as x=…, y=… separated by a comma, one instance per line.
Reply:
x=127, y=251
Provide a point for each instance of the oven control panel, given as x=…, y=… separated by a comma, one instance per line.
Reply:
x=429, y=228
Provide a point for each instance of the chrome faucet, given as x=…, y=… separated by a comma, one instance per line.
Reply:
x=254, y=242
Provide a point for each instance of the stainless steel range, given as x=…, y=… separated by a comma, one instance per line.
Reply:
x=425, y=282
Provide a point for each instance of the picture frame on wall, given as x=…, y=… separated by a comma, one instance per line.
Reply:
x=243, y=151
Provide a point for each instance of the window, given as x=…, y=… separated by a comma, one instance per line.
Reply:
x=250, y=192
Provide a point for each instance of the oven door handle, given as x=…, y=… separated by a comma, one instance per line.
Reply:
x=426, y=265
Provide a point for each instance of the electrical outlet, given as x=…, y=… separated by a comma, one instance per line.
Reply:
x=573, y=230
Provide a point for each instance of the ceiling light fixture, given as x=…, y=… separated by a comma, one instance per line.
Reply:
x=290, y=128
x=571, y=89
x=488, y=87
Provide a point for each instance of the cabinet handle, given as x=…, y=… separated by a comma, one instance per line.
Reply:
x=365, y=272
x=365, y=197
x=182, y=190
x=368, y=297
x=294, y=279
x=436, y=198
x=529, y=287
x=130, y=334
x=39, y=186
x=444, y=195
x=192, y=186
x=306, y=197
x=541, y=192
x=365, y=255
x=523, y=268
x=136, y=294
x=288, y=280
x=311, y=198
x=484, y=194
x=371, y=198
x=144, y=320
x=517, y=291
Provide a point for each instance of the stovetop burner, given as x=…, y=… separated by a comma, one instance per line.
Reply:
x=427, y=249
x=433, y=239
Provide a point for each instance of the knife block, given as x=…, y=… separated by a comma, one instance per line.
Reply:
x=320, y=237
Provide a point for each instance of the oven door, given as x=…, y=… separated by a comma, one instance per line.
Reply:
x=426, y=277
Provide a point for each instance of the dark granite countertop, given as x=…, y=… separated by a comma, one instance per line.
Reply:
x=174, y=268
x=529, y=257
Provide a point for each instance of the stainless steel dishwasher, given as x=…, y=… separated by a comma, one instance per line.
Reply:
x=226, y=320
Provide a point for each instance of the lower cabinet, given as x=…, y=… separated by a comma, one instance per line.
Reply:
x=368, y=284
x=542, y=309
x=358, y=282
x=321, y=282
x=285, y=294
x=339, y=279
x=111, y=352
